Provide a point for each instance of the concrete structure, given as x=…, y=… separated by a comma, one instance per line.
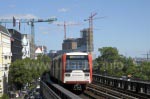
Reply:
x=16, y=44
x=69, y=43
x=84, y=43
x=5, y=58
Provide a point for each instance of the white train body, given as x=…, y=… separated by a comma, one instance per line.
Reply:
x=72, y=68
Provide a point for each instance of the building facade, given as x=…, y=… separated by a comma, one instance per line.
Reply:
x=16, y=44
x=25, y=46
x=5, y=58
x=86, y=42
x=69, y=44
x=40, y=50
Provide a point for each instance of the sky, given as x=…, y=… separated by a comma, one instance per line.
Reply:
x=125, y=24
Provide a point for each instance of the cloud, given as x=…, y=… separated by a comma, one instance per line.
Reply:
x=67, y=23
x=63, y=10
x=44, y=29
x=12, y=6
x=45, y=32
x=19, y=16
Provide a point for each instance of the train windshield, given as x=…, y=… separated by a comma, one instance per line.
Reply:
x=77, y=63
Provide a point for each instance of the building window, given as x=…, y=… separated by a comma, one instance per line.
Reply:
x=6, y=67
x=5, y=57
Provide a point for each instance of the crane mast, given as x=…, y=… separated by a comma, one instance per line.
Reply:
x=90, y=19
x=65, y=25
x=90, y=29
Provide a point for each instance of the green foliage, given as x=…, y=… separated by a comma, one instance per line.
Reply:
x=4, y=96
x=131, y=70
x=108, y=61
x=109, y=54
x=111, y=63
x=25, y=71
x=140, y=76
x=145, y=70
x=20, y=73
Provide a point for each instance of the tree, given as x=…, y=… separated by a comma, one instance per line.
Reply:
x=25, y=71
x=145, y=70
x=128, y=65
x=19, y=73
x=43, y=63
x=109, y=54
x=112, y=63
x=4, y=96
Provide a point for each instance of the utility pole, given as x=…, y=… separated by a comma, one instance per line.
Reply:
x=147, y=55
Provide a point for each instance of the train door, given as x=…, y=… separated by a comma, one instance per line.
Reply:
x=59, y=68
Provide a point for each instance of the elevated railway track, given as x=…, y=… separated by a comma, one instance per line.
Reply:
x=102, y=87
x=97, y=91
x=124, y=87
x=50, y=90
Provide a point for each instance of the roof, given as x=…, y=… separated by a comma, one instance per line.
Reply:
x=70, y=53
x=76, y=53
x=3, y=29
x=38, y=50
x=42, y=47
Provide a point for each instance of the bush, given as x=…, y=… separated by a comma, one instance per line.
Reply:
x=4, y=96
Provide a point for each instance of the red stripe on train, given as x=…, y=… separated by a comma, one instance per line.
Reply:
x=77, y=82
x=90, y=65
x=63, y=66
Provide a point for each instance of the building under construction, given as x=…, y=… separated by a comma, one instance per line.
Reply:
x=84, y=43
x=70, y=43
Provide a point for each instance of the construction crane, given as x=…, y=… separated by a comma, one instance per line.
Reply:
x=66, y=24
x=29, y=22
x=91, y=18
x=90, y=29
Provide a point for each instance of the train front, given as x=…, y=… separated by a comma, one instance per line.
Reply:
x=78, y=70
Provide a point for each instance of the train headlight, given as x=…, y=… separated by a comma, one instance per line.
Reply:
x=86, y=74
x=67, y=75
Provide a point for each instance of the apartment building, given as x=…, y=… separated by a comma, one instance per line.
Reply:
x=16, y=44
x=5, y=58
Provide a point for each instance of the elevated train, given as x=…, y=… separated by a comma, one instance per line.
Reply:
x=72, y=69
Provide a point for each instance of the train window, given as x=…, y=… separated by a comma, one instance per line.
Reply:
x=77, y=65
x=77, y=57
